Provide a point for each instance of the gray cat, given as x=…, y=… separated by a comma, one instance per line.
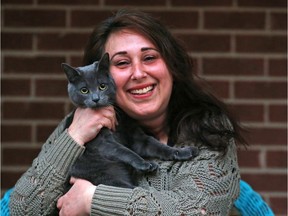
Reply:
x=114, y=158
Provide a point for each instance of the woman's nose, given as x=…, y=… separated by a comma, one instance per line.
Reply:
x=138, y=72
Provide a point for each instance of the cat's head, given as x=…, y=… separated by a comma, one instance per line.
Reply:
x=91, y=86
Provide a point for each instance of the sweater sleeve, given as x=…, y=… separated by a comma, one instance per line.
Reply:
x=39, y=188
x=207, y=185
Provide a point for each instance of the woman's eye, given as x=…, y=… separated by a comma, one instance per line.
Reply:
x=102, y=87
x=149, y=58
x=84, y=90
x=121, y=63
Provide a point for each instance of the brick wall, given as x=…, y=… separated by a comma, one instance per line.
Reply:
x=239, y=46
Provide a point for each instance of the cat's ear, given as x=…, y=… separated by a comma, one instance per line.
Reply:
x=71, y=73
x=104, y=62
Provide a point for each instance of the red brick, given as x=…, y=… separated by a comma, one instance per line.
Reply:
x=62, y=41
x=77, y=60
x=32, y=110
x=70, y=2
x=234, y=20
x=266, y=182
x=279, y=21
x=124, y=3
x=200, y=3
x=88, y=18
x=278, y=67
x=15, y=2
x=51, y=87
x=14, y=41
x=260, y=90
x=43, y=132
x=15, y=87
x=70, y=108
x=277, y=159
x=206, y=42
x=267, y=136
x=279, y=205
x=9, y=178
x=181, y=19
x=34, y=65
x=19, y=156
x=233, y=66
x=219, y=88
x=263, y=3
x=178, y=19
x=34, y=18
x=248, y=158
x=261, y=44
x=8, y=133
x=278, y=113
x=249, y=112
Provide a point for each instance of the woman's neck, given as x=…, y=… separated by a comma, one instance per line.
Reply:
x=157, y=127
x=162, y=137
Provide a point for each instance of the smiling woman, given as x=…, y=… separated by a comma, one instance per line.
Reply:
x=142, y=78
x=156, y=88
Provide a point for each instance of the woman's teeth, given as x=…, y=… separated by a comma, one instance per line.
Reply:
x=142, y=91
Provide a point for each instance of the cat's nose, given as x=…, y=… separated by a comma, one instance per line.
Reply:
x=95, y=99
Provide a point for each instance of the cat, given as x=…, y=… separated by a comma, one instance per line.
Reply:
x=114, y=157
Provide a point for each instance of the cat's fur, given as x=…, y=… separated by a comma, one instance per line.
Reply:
x=113, y=158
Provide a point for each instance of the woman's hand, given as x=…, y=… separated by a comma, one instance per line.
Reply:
x=88, y=122
x=77, y=201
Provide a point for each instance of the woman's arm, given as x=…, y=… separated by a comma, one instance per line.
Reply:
x=37, y=191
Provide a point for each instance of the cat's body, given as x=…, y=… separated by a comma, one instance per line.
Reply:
x=112, y=158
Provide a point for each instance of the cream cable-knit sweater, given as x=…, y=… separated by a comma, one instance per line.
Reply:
x=206, y=185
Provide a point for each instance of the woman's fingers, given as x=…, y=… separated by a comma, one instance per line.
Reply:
x=87, y=123
x=77, y=201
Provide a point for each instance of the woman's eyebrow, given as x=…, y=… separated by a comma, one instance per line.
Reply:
x=119, y=53
x=148, y=48
x=143, y=49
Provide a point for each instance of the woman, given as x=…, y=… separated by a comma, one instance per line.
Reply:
x=155, y=86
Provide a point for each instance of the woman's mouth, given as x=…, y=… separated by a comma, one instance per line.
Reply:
x=142, y=91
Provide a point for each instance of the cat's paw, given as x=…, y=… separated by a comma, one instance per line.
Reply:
x=186, y=153
x=148, y=166
x=153, y=166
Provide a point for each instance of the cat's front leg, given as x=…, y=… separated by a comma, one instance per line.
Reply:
x=145, y=166
x=148, y=146
x=125, y=155
x=185, y=153
x=108, y=145
x=166, y=152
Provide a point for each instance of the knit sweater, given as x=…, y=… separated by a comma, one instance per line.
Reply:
x=206, y=185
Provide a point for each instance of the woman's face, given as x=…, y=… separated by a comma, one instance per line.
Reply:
x=144, y=84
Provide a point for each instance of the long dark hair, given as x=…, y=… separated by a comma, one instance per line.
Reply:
x=193, y=114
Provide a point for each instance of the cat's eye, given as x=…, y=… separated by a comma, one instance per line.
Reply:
x=84, y=90
x=103, y=87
